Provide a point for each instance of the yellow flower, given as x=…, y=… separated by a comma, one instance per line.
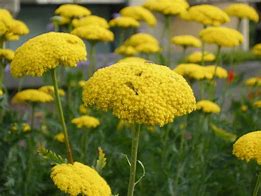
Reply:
x=242, y=10
x=219, y=72
x=26, y=127
x=139, y=13
x=208, y=106
x=72, y=11
x=206, y=15
x=244, y=108
x=258, y=104
x=86, y=121
x=199, y=72
x=223, y=133
x=126, y=50
x=167, y=7
x=124, y=22
x=143, y=93
x=47, y=51
x=90, y=20
x=248, y=147
x=11, y=29
x=257, y=49
x=50, y=90
x=18, y=28
x=81, y=83
x=7, y=54
x=193, y=71
x=196, y=57
x=31, y=95
x=254, y=81
x=83, y=109
x=79, y=179
x=94, y=33
x=139, y=43
x=59, y=137
x=132, y=59
x=186, y=41
x=221, y=36
x=1, y=92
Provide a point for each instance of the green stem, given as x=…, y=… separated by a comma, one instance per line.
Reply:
x=32, y=116
x=239, y=24
x=218, y=61
x=134, y=152
x=84, y=143
x=258, y=184
x=60, y=111
x=203, y=49
x=92, y=59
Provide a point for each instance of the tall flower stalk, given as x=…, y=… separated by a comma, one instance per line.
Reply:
x=133, y=163
x=258, y=185
x=61, y=116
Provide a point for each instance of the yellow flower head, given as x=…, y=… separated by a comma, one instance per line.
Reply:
x=132, y=59
x=248, y=147
x=79, y=179
x=206, y=15
x=242, y=10
x=221, y=36
x=218, y=71
x=126, y=50
x=254, y=81
x=47, y=51
x=139, y=43
x=143, y=93
x=90, y=20
x=186, y=41
x=86, y=121
x=139, y=13
x=26, y=127
x=196, y=57
x=18, y=28
x=193, y=71
x=59, y=137
x=257, y=49
x=258, y=104
x=6, y=54
x=198, y=72
x=167, y=7
x=50, y=90
x=94, y=33
x=124, y=22
x=81, y=83
x=83, y=109
x=208, y=106
x=32, y=96
x=243, y=108
x=72, y=11
x=11, y=29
